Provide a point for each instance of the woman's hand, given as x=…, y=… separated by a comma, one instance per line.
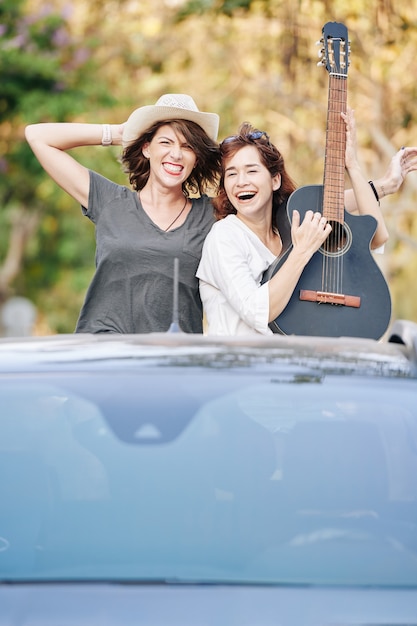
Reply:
x=351, y=159
x=402, y=163
x=308, y=236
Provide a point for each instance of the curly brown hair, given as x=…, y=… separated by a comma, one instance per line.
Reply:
x=271, y=158
x=206, y=172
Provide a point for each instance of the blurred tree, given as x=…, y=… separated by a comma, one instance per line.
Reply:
x=46, y=75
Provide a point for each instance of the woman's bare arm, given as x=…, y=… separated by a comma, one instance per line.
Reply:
x=50, y=143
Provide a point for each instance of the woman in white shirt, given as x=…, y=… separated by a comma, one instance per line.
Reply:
x=253, y=230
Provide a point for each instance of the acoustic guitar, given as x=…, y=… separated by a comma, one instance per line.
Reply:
x=342, y=291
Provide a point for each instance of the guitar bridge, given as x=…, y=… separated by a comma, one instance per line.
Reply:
x=327, y=297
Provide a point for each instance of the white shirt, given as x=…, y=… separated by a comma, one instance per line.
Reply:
x=230, y=272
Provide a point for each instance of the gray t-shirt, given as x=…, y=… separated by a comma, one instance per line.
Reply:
x=133, y=286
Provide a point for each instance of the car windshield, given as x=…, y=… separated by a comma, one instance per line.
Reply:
x=198, y=475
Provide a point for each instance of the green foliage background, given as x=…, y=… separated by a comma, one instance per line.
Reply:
x=248, y=60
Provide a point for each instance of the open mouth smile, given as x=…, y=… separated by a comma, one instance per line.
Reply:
x=173, y=169
x=246, y=195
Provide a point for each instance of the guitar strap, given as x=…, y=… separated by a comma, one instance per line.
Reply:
x=283, y=225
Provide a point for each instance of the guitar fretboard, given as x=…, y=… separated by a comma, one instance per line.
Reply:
x=334, y=165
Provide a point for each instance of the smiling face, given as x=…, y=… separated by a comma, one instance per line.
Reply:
x=171, y=158
x=248, y=184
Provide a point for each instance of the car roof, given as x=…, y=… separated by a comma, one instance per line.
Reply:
x=394, y=356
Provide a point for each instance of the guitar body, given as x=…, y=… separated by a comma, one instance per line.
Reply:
x=360, y=277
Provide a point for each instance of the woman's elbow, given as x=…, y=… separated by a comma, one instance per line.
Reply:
x=380, y=239
x=30, y=132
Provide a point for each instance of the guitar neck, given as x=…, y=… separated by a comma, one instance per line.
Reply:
x=334, y=165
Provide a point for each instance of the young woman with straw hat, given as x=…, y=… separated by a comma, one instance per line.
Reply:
x=169, y=153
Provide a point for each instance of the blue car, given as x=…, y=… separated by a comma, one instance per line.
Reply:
x=174, y=479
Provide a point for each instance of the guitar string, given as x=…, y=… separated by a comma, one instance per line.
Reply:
x=341, y=239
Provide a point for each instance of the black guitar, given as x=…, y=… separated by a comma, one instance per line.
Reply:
x=341, y=291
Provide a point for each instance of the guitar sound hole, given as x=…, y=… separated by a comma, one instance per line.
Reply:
x=338, y=241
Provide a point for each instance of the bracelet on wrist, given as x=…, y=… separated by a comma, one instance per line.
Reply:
x=374, y=190
x=106, y=139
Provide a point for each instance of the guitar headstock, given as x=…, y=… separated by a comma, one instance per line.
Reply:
x=335, y=50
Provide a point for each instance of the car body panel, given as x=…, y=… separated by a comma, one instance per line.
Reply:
x=118, y=605
x=177, y=479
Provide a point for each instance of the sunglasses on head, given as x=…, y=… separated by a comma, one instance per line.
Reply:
x=252, y=136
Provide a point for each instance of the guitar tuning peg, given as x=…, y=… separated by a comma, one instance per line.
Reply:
x=320, y=64
x=319, y=42
x=320, y=52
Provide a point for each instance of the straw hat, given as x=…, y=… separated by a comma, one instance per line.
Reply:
x=171, y=106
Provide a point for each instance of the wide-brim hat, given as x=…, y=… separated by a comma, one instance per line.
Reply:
x=171, y=106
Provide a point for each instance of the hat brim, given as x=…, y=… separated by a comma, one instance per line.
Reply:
x=143, y=118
